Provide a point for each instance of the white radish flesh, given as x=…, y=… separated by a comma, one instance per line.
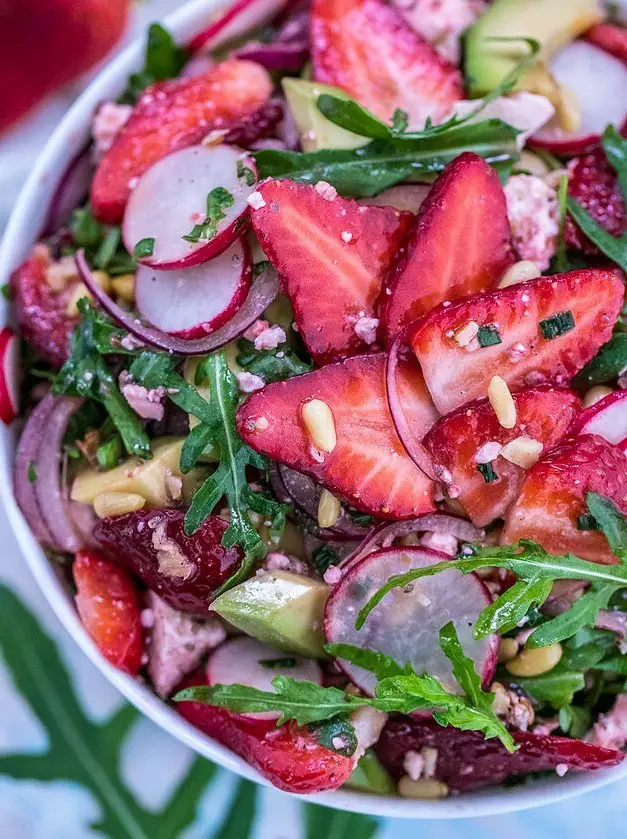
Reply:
x=238, y=20
x=171, y=198
x=607, y=419
x=407, y=622
x=599, y=82
x=193, y=302
x=9, y=368
x=239, y=662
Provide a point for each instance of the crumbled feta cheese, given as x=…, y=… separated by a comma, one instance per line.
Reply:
x=270, y=338
x=413, y=764
x=346, y=236
x=110, y=118
x=488, y=452
x=332, y=575
x=561, y=769
x=610, y=731
x=533, y=213
x=276, y=561
x=249, y=383
x=256, y=329
x=147, y=403
x=444, y=542
x=256, y=201
x=442, y=22
x=366, y=329
x=328, y=192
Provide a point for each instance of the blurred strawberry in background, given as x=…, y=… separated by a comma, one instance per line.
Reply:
x=45, y=44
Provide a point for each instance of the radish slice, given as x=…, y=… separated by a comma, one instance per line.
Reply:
x=239, y=662
x=406, y=624
x=243, y=16
x=599, y=82
x=194, y=302
x=9, y=366
x=171, y=198
x=607, y=418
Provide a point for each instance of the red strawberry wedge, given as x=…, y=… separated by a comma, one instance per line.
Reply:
x=553, y=498
x=467, y=761
x=331, y=255
x=108, y=606
x=367, y=465
x=460, y=244
x=594, y=184
x=530, y=333
x=290, y=757
x=486, y=466
x=366, y=48
x=172, y=115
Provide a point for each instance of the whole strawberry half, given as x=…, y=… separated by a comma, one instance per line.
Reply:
x=457, y=443
x=367, y=48
x=467, y=761
x=183, y=570
x=552, y=498
x=331, y=255
x=460, y=244
x=108, y=607
x=530, y=333
x=368, y=466
x=169, y=116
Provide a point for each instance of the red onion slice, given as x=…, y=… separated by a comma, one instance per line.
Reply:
x=262, y=292
x=289, y=57
x=71, y=190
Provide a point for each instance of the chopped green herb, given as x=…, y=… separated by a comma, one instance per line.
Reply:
x=609, y=363
x=556, y=687
x=574, y=721
x=337, y=735
x=557, y=325
x=323, y=558
x=246, y=173
x=487, y=471
x=163, y=59
x=108, y=248
x=102, y=243
x=488, y=336
x=109, y=453
x=145, y=247
x=32, y=472
x=217, y=201
x=274, y=663
x=86, y=231
x=271, y=365
x=362, y=519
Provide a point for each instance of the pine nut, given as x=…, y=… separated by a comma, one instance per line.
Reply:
x=110, y=503
x=466, y=334
x=329, y=509
x=508, y=649
x=535, y=662
x=502, y=402
x=523, y=452
x=320, y=425
x=425, y=789
x=124, y=287
x=520, y=272
x=595, y=394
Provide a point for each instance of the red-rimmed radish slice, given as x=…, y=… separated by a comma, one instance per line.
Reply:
x=9, y=388
x=598, y=80
x=171, y=198
x=607, y=418
x=193, y=302
x=407, y=622
x=246, y=661
x=242, y=16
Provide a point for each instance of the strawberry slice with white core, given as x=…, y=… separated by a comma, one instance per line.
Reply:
x=407, y=622
x=193, y=302
x=368, y=466
x=459, y=245
x=607, y=418
x=598, y=81
x=246, y=661
x=528, y=334
x=552, y=498
x=487, y=462
x=317, y=240
x=9, y=366
x=201, y=193
x=369, y=50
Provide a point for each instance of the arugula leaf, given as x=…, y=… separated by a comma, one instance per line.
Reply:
x=512, y=606
x=609, y=363
x=614, y=664
x=615, y=148
x=378, y=663
x=463, y=668
x=574, y=721
x=102, y=243
x=612, y=523
x=271, y=365
x=323, y=557
x=350, y=115
x=557, y=687
x=582, y=613
x=163, y=59
x=614, y=247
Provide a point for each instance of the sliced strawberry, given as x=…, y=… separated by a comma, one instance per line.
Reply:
x=368, y=466
x=460, y=244
x=461, y=441
x=611, y=38
x=553, y=498
x=40, y=312
x=367, y=48
x=108, y=606
x=467, y=761
x=331, y=255
x=183, y=570
x=170, y=116
x=579, y=309
x=593, y=183
x=290, y=757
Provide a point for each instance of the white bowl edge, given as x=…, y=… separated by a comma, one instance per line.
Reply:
x=26, y=220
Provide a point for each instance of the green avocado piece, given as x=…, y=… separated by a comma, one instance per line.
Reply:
x=551, y=22
x=316, y=131
x=371, y=776
x=280, y=609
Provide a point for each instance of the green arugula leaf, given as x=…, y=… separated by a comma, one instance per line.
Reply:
x=614, y=247
x=574, y=721
x=614, y=664
x=323, y=557
x=378, y=663
x=611, y=522
x=557, y=687
x=350, y=115
x=218, y=200
x=615, y=148
x=582, y=613
x=512, y=606
x=102, y=243
x=609, y=363
x=463, y=668
x=163, y=59
x=271, y=365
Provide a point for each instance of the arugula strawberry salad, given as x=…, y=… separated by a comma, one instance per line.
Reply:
x=324, y=388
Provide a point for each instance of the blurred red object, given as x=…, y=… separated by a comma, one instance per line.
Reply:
x=44, y=44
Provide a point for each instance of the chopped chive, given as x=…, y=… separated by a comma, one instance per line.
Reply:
x=217, y=201
x=557, y=325
x=109, y=453
x=145, y=247
x=245, y=172
x=587, y=522
x=323, y=557
x=271, y=663
x=32, y=472
x=108, y=248
x=488, y=336
x=487, y=472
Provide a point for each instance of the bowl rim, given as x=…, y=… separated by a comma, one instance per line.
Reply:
x=27, y=216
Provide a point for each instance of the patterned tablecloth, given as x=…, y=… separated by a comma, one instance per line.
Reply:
x=36, y=804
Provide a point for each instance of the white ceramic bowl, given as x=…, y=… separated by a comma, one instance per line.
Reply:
x=26, y=220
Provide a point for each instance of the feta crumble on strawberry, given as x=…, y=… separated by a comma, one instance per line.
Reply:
x=249, y=383
x=270, y=338
x=533, y=213
x=366, y=329
x=109, y=120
